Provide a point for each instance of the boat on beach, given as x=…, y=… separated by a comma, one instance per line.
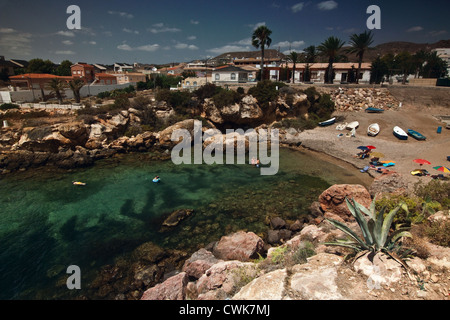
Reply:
x=400, y=133
x=374, y=110
x=353, y=125
x=328, y=122
x=373, y=130
x=416, y=135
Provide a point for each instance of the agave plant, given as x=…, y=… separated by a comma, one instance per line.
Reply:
x=375, y=229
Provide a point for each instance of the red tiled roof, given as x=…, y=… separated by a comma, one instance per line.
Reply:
x=38, y=76
x=105, y=75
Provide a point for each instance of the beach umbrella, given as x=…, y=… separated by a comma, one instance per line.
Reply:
x=421, y=161
x=442, y=168
x=371, y=147
x=362, y=148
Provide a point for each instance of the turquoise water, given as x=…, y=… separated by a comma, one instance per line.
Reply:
x=47, y=224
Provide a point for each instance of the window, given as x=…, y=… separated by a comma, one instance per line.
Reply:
x=188, y=83
x=233, y=76
x=217, y=76
x=195, y=83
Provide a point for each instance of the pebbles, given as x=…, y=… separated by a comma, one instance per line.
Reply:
x=357, y=99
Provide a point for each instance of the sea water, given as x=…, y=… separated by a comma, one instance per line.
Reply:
x=48, y=224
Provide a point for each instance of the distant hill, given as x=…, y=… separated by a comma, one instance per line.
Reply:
x=400, y=46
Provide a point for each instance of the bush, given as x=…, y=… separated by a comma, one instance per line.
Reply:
x=207, y=91
x=437, y=190
x=265, y=92
x=9, y=106
x=122, y=102
x=226, y=98
x=305, y=250
x=439, y=233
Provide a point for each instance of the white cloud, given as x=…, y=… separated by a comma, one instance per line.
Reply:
x=93, y=43
x=195, y=22
x=185, y=46
x=229, y=48
x=244, y=42
x=15, y=42
x=160, y=27
x=130, y=31
x=66, y=34
x=67, y=42
x=122, y=14
x=148, y=47
x=287, y=44
x=436, y=33
x=257, y=25
x=192, y=38
x=297, y=7
x=7, y=30
x=65, y=52
x=415, y=29
x=327, y=5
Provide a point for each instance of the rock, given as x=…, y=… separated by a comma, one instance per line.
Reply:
x=380, y=269
x=175, y=217
x=313, y=233
x=391, y=182
x=165, y=137
x=173, y=288
x=149, y=253
x=277, y=223
x=318, y=279
x=75, y=131
x=241, y=246
x=223, y=278
x=267, y=287
x=440, y=216
x=199, y=262
x=333, y=199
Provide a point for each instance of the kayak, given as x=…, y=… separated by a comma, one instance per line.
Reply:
x=328, y=122
x=416, y=135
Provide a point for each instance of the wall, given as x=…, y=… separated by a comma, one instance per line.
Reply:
x=32, y=95
x=423, y=82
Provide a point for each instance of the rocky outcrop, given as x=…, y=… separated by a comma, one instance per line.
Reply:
x=175, y=217
x=241, y=246
x=173, y=288
x=333, y=199
x=390, y=182
x=358, y=99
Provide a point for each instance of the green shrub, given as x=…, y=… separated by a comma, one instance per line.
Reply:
x=298, y=123
x=439, y=233
x=207, y=91
x=305, y=250
x=437, y=190
x=226, y=98
x=8, y=106
x=265, y=92
x=122, y=102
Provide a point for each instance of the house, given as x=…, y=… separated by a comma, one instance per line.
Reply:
x=31, y=81
x=130, y=77
x=444, y=54
x=193, y=83
x=99, y=68
x=105, y=79
x=122, y=67
x=84, y=71
x=229, y=74
x=343, y=72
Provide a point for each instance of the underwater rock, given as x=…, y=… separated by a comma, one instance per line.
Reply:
x=176, y=217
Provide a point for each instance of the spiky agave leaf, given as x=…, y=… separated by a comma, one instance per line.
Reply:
x=354, y=209
x=387, y=225
x=349, y=232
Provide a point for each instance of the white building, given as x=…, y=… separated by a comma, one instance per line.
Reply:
x=444, y=54
x=229, y=74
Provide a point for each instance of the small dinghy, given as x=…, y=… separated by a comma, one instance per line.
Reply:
x=353, y=125
x=416, y=135
x=328, y=122
x=373, y=130
x=400, y=133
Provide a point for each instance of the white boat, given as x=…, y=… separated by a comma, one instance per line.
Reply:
x=373, y=130
x=353, y=125
x=400, y=133
x=328, y=122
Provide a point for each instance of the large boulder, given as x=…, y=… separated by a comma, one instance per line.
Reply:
x=333, y=199
x=165, y=136
x=242, y=246
x=199, y=262
x=390, y=182
x=173, y=288
x=74, y=131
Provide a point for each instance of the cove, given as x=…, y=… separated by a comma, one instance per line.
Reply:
x=48, y=224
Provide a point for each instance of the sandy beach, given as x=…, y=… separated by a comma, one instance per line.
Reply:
x=435, y=149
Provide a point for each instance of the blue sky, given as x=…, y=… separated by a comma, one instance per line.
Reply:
x=158, y=32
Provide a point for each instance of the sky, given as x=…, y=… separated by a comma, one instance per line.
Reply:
x=159, y=32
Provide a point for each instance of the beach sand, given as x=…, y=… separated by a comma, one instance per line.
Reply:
x=422, y=119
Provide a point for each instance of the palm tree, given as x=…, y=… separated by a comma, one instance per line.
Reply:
x=261, y=39
x=330, y=48
x=76, y=85
x=57, y=87
x=359, y=45
x=311, y=54
x=294, y=57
